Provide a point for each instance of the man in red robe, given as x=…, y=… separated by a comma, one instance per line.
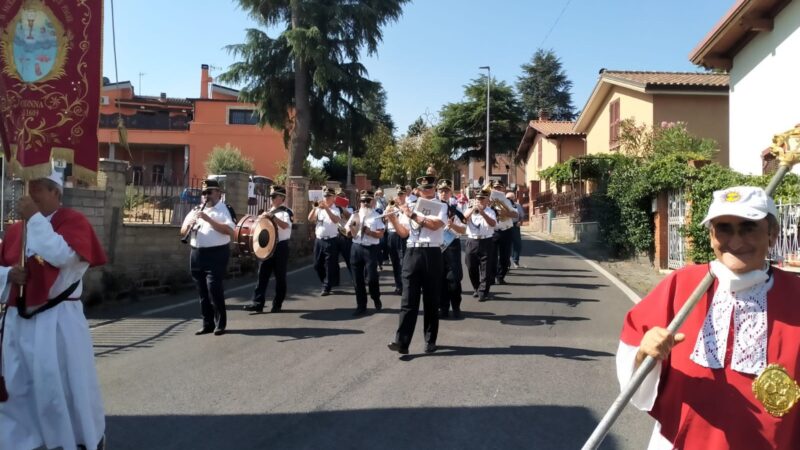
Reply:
x=47, y=357
x=701, y=390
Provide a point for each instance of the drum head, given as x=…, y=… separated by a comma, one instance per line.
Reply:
x=264, y=238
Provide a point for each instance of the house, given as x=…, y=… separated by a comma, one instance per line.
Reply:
x=700, y=100
x=171, y=138
x=545, y=144
x=473, y=172
x=757, y=43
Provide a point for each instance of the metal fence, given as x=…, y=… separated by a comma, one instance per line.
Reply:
x=786, y=250
x=563, y=203
x=168, y=204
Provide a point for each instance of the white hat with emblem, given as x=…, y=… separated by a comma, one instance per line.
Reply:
x=747, y=202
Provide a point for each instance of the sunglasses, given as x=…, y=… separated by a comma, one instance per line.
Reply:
x=365, y=201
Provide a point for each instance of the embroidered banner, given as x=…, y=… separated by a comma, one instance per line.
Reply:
x=50, y=80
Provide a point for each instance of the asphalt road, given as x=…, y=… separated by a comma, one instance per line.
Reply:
x=533, y=368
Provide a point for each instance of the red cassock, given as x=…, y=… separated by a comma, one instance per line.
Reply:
x=79, y=235
x=702, y=408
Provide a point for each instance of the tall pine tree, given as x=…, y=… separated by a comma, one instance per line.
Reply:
x=544, y=86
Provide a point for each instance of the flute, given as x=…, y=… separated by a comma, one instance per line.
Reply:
x=195, y=226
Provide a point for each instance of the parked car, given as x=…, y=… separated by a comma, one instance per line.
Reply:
x=190, y=196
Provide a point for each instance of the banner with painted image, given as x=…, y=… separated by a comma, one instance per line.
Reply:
x=50, y=80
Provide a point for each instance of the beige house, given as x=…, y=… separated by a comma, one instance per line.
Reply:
x=698, y=99
x=545, y=144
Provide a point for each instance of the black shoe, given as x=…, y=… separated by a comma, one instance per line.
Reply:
x=325, y=293
x=395, y=347
x=360, y=312
x=501, y=281
x=444, y=314
x=275, y=309
x=254, y=307
x=483, y=298
x=457, y=314
x=430, y=348
x=203, y=331
x=380, y=267
x=398, y=291
x=378, y=305
x=475, y=294
x=219, y=332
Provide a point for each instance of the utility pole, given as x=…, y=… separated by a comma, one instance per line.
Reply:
x=141, y=74
x=488, y=109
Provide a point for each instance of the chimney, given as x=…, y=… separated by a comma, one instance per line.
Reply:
x=544, y=115
x=204, y=81
x=163, y=96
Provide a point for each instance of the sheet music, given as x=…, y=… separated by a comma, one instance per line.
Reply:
x=427, y=207
x=315, y=195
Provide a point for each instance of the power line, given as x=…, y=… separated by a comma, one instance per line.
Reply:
x=555, y=23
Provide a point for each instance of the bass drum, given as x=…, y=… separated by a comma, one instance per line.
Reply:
x=257, y=237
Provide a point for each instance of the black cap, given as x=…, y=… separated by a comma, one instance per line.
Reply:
x=328, y=192
x=498, y=184
x=400, y=189
x=444, y=184
x=426, y=182
x=483, y=194
x=277, y=190
x=209, y=185
x=366, y=195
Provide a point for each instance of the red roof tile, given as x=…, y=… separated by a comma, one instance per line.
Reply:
x=669, y=79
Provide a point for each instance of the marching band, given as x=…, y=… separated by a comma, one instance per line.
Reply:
x=423, y=235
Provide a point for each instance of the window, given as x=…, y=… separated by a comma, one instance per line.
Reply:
x=242, y=117
x=539, y=156
x=158, y=173
x=136, y=175
x=613, y=116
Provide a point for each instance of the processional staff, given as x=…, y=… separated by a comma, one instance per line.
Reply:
x=786, y=149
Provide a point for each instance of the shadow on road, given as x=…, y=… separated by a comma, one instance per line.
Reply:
x=542, y=427
x=529, y=321
x=296, y=333
x=548, y=275
x=574, y=354
x=569, y=301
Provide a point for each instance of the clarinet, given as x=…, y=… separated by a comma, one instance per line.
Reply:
x=195, y=226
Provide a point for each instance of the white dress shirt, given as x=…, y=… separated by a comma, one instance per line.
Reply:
x=283, y=215
x=419, y=234
x=206, y=236
x=373, y=221
x=477, y=227
x=325, y=228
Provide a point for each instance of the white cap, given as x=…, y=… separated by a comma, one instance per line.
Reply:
x=747, y=202
x=57, y=177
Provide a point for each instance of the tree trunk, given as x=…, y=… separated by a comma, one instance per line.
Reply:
x=302, y=114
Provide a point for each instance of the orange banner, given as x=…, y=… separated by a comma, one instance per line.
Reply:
x=50, y=80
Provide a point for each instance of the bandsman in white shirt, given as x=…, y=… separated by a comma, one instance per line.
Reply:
x=326, y=216
x=481, y=220
x=451, y=253
x=421, y=265
x=396, y=241
x=503, y=237
x=342, y=204
x=366, y=228
x=211, y=230
x=282, y=216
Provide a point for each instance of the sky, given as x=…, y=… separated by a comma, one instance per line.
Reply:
x=435, y=48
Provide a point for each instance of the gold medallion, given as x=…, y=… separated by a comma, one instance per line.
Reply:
x=776, y=390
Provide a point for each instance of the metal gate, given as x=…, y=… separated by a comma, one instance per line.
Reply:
x=676, y=217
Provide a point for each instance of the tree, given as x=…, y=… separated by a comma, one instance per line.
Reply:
x=463, y=124
x=228, y=158
x=413, y=154
x=308, y=81
x=544, y=86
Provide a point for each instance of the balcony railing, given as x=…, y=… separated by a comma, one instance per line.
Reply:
x=147, y=121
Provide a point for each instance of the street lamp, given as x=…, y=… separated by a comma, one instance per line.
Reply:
x=488, y=90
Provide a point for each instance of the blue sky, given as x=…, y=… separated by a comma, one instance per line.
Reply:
x=433, y=50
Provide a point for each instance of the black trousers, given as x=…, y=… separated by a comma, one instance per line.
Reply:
x=502, y=241
x=397, y=248
x=364, y=261
x=452, y=274
x=326, y=261
x=479, y=256
x=277, y=264
x=419, y=267
x=385, y=246
x=208, y=267
x=345, y=244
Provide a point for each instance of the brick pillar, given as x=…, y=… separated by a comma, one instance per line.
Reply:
x=362, y=182
x=661, y=231
x=297, y=191
x=236, y=191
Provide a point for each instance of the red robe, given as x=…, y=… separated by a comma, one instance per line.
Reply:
x=699, y=407
x=79, y=235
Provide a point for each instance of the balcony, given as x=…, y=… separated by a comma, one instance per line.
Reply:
x=148, y=121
